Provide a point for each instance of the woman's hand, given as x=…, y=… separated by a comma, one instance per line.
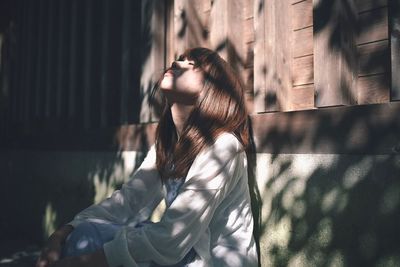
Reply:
x=52, y=250
x=97, y=259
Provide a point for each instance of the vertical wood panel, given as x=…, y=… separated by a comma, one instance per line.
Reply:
x=335, y=62
x=219, y=27
x=50, y=34
x=264, y=96
x=28, y=61
x=73, y=46
x=126, y=54
x=39, y=63
x=104, y=83
x=180, y=27
x=153, y=17
x=62, y=67
x=395, y=48
x=283, y=54
x=87, y=63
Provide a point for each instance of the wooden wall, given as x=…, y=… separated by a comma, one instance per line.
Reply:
x=86, y=66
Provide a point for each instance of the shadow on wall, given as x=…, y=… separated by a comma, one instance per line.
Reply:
x=329, y=182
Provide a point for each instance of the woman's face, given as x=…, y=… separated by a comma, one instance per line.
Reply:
x=183, y=80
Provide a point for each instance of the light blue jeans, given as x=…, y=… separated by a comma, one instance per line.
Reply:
x=89, y=237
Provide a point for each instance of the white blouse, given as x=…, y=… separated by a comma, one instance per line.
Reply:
x=212, y=213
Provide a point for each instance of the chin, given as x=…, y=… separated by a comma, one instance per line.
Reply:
x=166, y=85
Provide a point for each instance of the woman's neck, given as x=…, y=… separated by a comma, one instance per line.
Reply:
x=180, y=113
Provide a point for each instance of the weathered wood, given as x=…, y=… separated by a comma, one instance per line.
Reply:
x=261, y=92
x=283, y=54
x=248, y=30
x=302, y=15
x=302, y=97
x=195, y=19
x=180, y=27
x=373, y=26
x=335, y=62
x=303, y=42
x=336, y=130
x=374, y=58
x=248, y=9
x=373, y=89
x=302, y=69
x=153, y=12
x=395, y=48
x=365, y=5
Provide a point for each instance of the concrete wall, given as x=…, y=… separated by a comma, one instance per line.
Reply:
x=329, y=209
x=317, y=209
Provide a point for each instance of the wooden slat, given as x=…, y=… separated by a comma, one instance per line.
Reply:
x=180, y=27
x=374, y=58
x=283, y=55
x=152, y=66
x=206, y=5
x=302, y=14
x=395, y=48
x=248, y=9
x=249, y=58
x=248, y=30
x=373, y=26
x=302, y=97
x=73, y=46
x=170, y=32
x=335, y=62
x=373, y=89
x=303, y=42
x=196, y=20
x=302, y=70
x=294, y=2
x=104, y=83
x=295, y=132
x=365, y=5
x=39, y=62
x=261, y=92
x=49, y=49
x=87, y=64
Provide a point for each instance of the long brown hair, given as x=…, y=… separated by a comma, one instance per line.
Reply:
x=221, y=109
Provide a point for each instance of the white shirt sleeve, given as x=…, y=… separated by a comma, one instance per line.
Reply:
x=133, y=203
x=188, y=217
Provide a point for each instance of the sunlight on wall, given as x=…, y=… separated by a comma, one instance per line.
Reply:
x=356, y=172
x=105, y=182
x=49, y=221
x=283, y=182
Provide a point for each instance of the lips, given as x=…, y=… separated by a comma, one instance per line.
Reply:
x=169, y=72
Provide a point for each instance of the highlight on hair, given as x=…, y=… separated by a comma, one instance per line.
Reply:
x=222, y=109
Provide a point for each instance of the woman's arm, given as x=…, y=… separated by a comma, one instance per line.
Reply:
x=97, y=259
x=52, y=250
x=133, y=203
x=186, y=220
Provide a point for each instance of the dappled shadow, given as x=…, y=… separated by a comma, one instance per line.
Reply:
x=55, y=165
x=331, y=187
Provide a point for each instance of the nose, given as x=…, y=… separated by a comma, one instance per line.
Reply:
x=175, y=65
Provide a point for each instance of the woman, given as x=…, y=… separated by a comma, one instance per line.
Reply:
x=198, y=165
